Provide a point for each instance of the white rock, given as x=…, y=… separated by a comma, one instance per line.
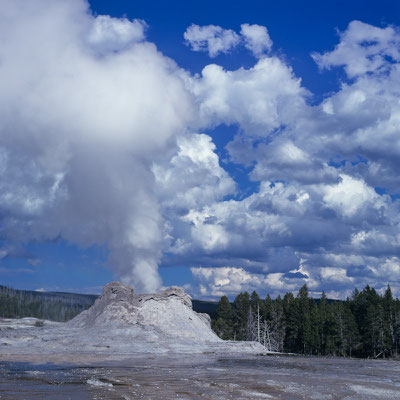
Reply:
x=169, y=312
x=122, y=322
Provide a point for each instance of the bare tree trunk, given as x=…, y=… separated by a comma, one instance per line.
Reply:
x=258, y=323
x=268, y=333
x=251, y=334
x=265, y=332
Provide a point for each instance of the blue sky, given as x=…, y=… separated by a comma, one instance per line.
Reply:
x=220, y=147
x=297, y=28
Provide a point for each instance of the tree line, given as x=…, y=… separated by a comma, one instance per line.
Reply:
x=367, y=324
x=52, y=306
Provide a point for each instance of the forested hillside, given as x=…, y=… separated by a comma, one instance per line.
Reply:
x=365, y=325
x=47, y=305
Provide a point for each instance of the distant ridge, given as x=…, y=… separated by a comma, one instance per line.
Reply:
x=22, y=301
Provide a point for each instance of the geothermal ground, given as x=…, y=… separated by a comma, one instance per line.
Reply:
x=129, y=346
x=202, y=376
x=119, y=324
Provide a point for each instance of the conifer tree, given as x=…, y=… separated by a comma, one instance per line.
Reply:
x=315, y=328
x=304, y=321
x=268, y=305
x=290, y=310
x=389, y=317
x=223, y=325
x=241, y=307
x=352, y=334
x=323, y=325
x=278, y=323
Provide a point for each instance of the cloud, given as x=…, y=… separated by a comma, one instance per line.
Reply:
x=317, y=168
x=230, y=281
x=348, y=196
x=17, y=251
x=256, y=38
x=215, y=39
x=360, y=122
x=363, y=48
x=283, y=159
x=216, y=282
x=259, y=99
x=312, y=232
x=316, y=217
x=210, y=38
x=331, y=274
x=115, y=34
x=192, y=177
x=101, y=143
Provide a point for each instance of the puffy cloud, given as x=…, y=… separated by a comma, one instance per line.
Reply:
x=215, y=40
x=360, y=123
x=331, y=274
x=348, y=196
x=316, y=216
x=97, y=146
x=256, y=38
x=324, y=235
x=216, y=282
x=282, y=159
x=113, y=34
x=192, y=177
x=211, y=38
x=363, y=48
x=259, y=99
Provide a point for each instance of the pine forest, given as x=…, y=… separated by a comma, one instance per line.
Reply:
x=365, y=325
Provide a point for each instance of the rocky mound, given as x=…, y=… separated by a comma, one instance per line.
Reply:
x=169, y=312
x=123, y=324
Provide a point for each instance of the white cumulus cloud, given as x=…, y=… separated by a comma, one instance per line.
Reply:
x=215, y=39
x=99, y=144
x=256, y=38
x=363, y=48
x=211, y=38
x=114, y=34
x=259, y=99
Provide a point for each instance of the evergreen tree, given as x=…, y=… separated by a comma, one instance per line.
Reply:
x=315, y=328
x=278, y=323
x=241, y=307
x=290, y=311
x=396, y=324
x=267, y=309
x=223, y=326
x=389, y=318
x=323, y=323
x=304, y=339
x=255, y=301
x=352, y=334
x=56, y=307
x=339, y=329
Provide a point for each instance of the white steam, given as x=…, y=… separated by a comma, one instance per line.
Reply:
x=86, y=107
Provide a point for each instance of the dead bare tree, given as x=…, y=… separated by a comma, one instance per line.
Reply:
x=251, y=326
x=258, y=323
x=269, y=340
